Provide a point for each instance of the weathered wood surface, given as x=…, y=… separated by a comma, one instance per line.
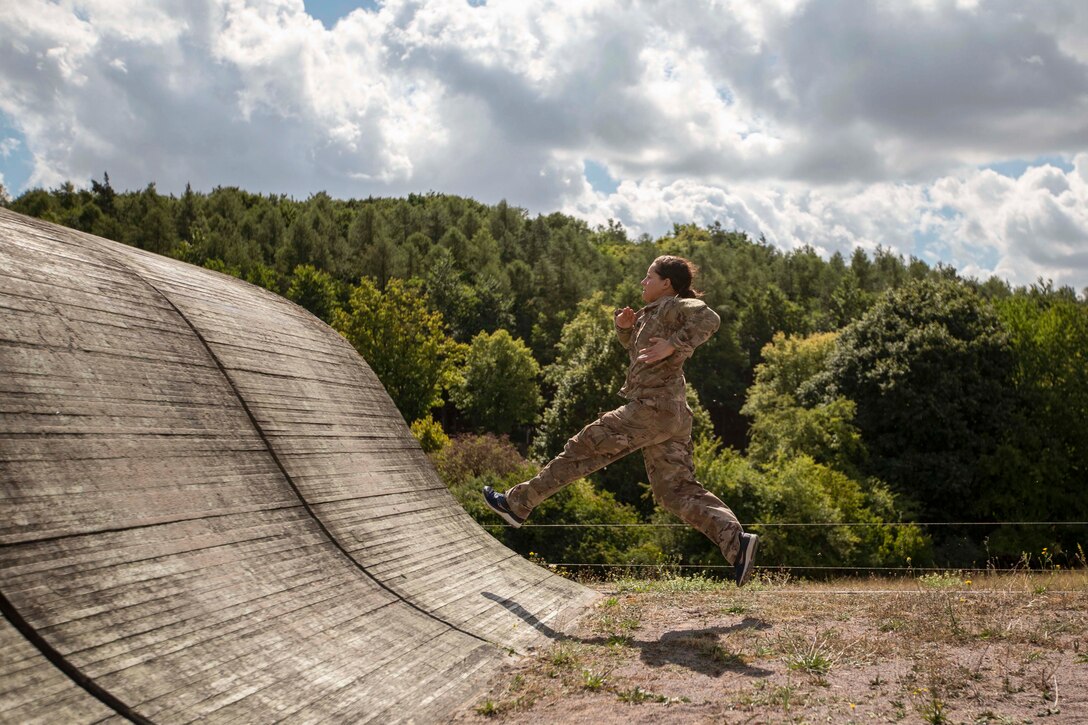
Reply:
x=212, y=510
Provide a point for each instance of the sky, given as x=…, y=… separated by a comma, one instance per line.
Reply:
x=955, y=131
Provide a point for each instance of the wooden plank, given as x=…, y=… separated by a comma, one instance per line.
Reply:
x=333, y=456
x=213, y=509
x=33, y=690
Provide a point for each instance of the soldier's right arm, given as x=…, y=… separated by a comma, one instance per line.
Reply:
x=623, y=334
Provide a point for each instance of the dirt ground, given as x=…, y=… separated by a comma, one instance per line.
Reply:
x=939, y=649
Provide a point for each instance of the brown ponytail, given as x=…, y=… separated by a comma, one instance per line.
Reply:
x=680, y=272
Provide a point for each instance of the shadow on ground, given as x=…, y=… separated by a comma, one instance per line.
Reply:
x=695, y=649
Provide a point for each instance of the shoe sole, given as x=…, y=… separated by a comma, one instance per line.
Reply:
x=749, y=558
x=506, y=516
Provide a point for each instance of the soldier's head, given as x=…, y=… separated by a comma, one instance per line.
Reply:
x=669, y=275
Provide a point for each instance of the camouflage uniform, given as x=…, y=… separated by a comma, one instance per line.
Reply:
x=657, y=420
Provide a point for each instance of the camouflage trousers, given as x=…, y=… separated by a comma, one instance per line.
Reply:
x=662, y=430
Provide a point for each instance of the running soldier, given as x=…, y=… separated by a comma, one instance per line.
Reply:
x=656, y=419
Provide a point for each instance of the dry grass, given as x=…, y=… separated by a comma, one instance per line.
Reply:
x=986, y=648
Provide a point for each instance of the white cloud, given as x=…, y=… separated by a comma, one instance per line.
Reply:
x=1023, y=229
x=8, y=146
x=1037, y=224
x=823, y=122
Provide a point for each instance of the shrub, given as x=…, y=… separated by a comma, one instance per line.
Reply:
x=430, y=435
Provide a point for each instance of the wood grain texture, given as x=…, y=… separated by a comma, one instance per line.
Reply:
x=213, y=511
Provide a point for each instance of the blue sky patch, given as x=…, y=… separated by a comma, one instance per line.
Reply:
x=599, y=178
x=330, y=11
x=1015, y=168
x=16, y=163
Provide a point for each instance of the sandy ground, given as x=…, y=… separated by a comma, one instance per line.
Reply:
x=944, y=649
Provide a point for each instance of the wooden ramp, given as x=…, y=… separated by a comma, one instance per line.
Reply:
x=213, y=511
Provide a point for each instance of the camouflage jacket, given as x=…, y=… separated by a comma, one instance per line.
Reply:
x=684, y=322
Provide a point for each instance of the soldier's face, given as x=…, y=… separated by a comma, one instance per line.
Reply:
x=654, y=286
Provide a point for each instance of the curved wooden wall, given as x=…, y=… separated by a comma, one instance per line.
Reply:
x=212, y=510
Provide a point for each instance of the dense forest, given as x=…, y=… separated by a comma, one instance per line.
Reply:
x=917, y=416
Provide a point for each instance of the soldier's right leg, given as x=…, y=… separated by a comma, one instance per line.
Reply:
x=609, y=438
x=671, y=471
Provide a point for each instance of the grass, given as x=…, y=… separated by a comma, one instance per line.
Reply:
x=955, y=647
x=593, y=681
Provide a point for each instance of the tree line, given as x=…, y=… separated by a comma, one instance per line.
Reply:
x=899, y=405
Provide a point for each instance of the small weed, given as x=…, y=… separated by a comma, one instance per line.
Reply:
x=736, y=609
x=637, y=695
x=488, y=708
x=783, y=695
x=716, y=652
x=1082, y=659
x=593, y=681
x=892, y=625
x=941, y=580
x=932, y=711
x=611, y=602
x=954, y=623
x=618, y=640
x=812, y=661
x=563, y=656
x=816, y=657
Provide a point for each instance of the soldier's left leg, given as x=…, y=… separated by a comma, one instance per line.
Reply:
x=671, y=471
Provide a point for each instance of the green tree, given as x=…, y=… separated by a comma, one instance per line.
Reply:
x=315, y=290
x=454, y=241
x=313, y=237
x=587, y=374
x=150, y=223
x=450, y=294
x=185, y=214
x=782, y=428
x=1042, y=463
x=499, y=388
x=929, y=369
x=403, y=341
x=768, y=312
x=382, y=260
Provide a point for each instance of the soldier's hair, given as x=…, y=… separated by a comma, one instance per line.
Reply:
x=680, y=272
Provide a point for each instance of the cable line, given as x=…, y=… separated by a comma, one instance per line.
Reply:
x=801, y=524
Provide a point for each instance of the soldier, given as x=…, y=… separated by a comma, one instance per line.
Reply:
x=655, y=420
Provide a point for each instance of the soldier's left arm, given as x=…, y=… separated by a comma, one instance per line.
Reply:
x=695, y=324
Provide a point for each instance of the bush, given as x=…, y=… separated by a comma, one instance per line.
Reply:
x=430, y=435
x=798, y=490
x=470, y=456
x=471, y=462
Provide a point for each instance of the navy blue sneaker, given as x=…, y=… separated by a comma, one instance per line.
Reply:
x=746, y=558
x=497, y=503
